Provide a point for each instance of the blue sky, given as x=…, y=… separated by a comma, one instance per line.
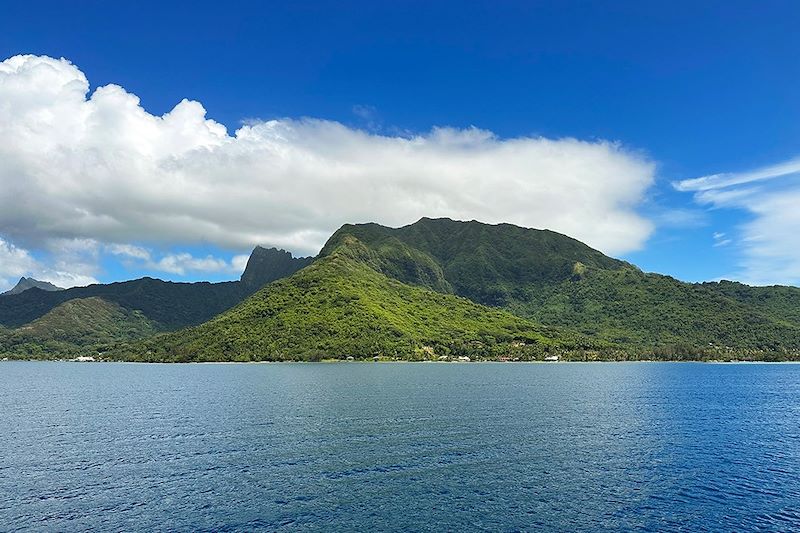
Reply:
x=684, y=89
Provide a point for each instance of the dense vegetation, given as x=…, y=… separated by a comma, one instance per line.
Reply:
x=489, y=264
x=169, y=305
x=340, y=307
x=555, y=280
x=419, y=292
x=660, y=315
x=778, y=301
x=86, y=326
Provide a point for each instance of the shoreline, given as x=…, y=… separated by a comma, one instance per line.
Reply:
x=341, y=361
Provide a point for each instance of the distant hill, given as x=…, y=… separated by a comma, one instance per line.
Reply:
x=81, y=326
x=340, y=306
x=84, y=320
x=29, y=283
x=168, y=304
x=661, y=315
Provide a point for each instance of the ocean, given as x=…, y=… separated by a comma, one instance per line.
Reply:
x=399, y=446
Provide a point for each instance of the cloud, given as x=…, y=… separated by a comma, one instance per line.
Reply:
x=74, y=262
x=182, y=263
x=720, y=239
x=14, y=263
x=680, y=218
x=81, y=165
x=770, y=239
x=64, y=279
x=68, y=271
x=718, y=181
x=239, y=262
x=129, y=250
x=176, y=263
x=365, y=112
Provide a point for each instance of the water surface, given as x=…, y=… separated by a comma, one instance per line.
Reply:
x=499, y=447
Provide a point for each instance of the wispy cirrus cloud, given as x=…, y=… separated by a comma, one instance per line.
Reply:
x=721, y=239
x=770, y=239
x=720, y=181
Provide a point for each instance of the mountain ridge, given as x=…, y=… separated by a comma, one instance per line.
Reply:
x=170, y=304
x=340, y=306
x=25, y=284
x=445, y=272
x=485, y=262
x=559, y=281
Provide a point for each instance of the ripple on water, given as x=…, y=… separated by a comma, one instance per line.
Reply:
x=411, y=447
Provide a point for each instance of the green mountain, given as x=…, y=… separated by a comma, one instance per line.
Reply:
x=87, y=320
x=29, y=283
x=340, y=306
x=82, y=326
x=556, y=280
x=265, y=265
x=489, y=264
x=661, y=315
x=778, y=301
x=168, y=305
x=437, y=287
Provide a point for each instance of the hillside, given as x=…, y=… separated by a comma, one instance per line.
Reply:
x=420, y=290
x=168, y=305
x=489, y=264
x=657, y=313
x=556, y=280
x=339, y=306
x=778, y=301
x=77, y=327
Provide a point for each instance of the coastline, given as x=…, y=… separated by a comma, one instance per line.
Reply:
x=365, y=361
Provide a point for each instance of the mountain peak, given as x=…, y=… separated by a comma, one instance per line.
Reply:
x=488, y=263
x=29, y=283
x=268, y=264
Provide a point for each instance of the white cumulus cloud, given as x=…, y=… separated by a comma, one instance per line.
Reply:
x=14, y=263
x=69, y=270
x=177, y=263
x=181, y=263
x=81, y=165
x=129, y=251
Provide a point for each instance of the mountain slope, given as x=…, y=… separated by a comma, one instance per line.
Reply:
x=29, y=283
x=556, y=280
x=77, y=327
x=780, y=302
x=169, y=305
x=265, y=265
x=340, y=306
x=419, y=290
x=489, y=264
x=660, y=314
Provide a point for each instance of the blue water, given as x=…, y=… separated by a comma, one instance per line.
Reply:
x=456, y=447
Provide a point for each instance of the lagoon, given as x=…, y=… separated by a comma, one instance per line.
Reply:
x=399, y=446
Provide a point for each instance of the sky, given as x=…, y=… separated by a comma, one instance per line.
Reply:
x=168, y=139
